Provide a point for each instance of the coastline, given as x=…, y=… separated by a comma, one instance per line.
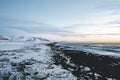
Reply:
x=86, y=65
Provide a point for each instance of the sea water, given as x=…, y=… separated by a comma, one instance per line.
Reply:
x=97, y=48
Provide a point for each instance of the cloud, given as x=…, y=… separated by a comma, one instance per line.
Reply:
x=31, y=27
x=87, y=35
x=109, y=5
x=14, y=20
x=21, y=27
x=80, y=25
x=43, y=29
x=115, y=22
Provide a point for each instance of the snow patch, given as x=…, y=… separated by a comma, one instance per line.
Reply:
x=10, y=46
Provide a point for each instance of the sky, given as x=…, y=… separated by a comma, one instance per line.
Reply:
x=62, y=20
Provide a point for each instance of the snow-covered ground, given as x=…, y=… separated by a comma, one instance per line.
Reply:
x=29, y=61
x=10, y=45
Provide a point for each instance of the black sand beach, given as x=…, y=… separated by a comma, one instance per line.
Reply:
x=85, y=65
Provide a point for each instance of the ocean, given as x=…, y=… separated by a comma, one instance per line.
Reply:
x=97, y=48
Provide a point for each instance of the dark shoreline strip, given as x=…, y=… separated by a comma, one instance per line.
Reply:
x=105, y=66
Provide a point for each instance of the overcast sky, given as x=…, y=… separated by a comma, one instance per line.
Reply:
x=69, y=20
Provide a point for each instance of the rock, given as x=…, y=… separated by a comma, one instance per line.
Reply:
x=1, y=78
x=29, y=62
x=13, y=54
x=50, y=67
x=3, y=65
x=81, y=67
x=5, y=75
x=4, y=59
x=22, y=65
x=15, y=57
x=13, y=63
x=35, y=74
x=30, y=71
x=1, y=54
x=28, y=78
x=12, y=77
x=40, y=76
x=86, y=69
x=20, y=76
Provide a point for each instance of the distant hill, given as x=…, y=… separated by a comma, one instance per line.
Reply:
x=3, y=38
x=27, y=39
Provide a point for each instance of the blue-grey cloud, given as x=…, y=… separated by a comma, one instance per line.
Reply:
x=88, y=35
x=109, y=5
x=18, y=26
x=115, y=22
x=14, y=20
x=80, y=25
x=7, y=24
x=43, y=29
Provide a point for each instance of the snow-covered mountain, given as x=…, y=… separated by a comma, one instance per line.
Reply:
x=3, y=38
x=36, y=39
x=28, y=39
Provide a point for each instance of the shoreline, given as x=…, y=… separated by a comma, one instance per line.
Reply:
x=86, y=65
